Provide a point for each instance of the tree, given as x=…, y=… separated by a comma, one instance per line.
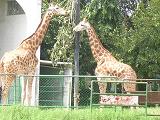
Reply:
x=137, y=47
x=59, y=39
x=141, y=45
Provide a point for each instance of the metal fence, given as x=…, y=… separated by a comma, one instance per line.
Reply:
x=114, y=98
x=57, y=90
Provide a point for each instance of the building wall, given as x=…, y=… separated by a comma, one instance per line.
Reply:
x=16, y=31
x=12, y=29
x=15, y=28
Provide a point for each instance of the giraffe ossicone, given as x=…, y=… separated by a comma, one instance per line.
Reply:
x=23, y=60
x=107, y=65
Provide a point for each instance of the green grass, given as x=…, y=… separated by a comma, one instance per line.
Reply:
x=32, y=113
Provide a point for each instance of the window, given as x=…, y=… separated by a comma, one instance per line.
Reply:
x=14, y=8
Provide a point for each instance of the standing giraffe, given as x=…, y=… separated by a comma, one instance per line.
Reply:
x=23, y=60
x=107, y=65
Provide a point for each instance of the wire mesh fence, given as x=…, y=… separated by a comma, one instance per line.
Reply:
x=57, y=90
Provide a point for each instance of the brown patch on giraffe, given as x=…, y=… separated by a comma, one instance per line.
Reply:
x=41, y=31
x=96, y=45
x=44, y=26
x=40, y=36
x=100, y=53
x=97, y=51
x=29, y=42
x=103, y=51
x=96, y=41
x=37, y=42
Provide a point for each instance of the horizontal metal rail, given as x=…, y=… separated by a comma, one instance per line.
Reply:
x=118, y=94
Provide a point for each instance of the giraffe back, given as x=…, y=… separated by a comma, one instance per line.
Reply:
x=115, y=68
x=19, y=61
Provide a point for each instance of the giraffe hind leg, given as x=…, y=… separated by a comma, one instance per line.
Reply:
x=5, y=88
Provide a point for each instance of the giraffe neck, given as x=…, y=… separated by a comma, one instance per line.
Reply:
x=34, y=41
x=98, y=51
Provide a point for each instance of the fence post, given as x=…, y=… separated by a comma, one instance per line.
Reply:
x=76, y=15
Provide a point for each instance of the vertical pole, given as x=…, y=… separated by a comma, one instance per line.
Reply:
x=76, y=16
x=67, y=86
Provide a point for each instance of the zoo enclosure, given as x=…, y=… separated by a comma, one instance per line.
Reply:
x=57, y=91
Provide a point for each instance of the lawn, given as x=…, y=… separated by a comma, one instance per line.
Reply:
x=32, y=113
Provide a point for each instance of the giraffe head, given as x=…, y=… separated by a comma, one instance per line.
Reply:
x=83, y=25
x=56, y=10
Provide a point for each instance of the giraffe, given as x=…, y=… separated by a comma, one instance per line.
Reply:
x=107, y=64
x=23, y=60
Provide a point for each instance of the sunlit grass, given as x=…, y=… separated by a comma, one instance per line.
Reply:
x=32, y=113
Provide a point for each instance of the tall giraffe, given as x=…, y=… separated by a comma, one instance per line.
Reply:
x=107, y=65
x=23, y=60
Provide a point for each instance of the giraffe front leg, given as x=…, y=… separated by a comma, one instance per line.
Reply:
x=23, y=95
x=29, y=90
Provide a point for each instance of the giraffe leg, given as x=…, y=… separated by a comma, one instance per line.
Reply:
x=5, y=95
x=5, y=87
x=23, y=95
x=129, y=87
x=102, y=89
x=29, y=90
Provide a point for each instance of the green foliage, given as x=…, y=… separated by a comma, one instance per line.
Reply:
x=63, y=48
x=59, y=39
x=140, y=47
x=103, y=12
